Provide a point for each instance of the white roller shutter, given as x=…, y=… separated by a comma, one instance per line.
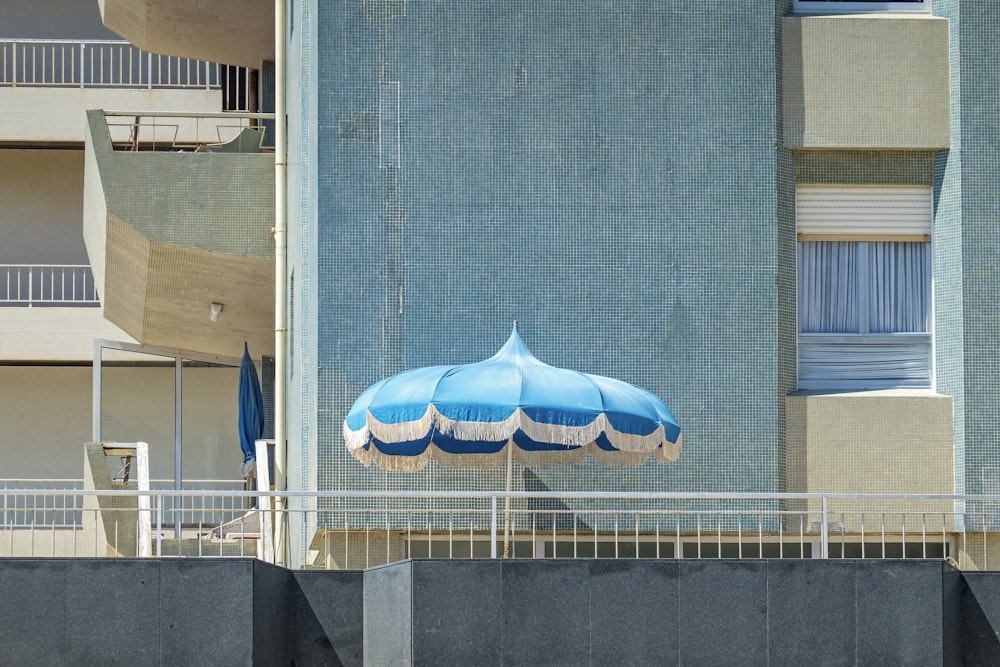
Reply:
x=860, y=210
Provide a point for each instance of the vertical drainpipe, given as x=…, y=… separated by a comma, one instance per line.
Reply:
x=280, y=284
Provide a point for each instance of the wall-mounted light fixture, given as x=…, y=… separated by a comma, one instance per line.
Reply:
x=214, y=313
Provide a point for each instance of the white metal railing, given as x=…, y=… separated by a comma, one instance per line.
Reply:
x=118, y=64
x=363, y=529
x=47, y=285
x=53, y=503
x=180, y=132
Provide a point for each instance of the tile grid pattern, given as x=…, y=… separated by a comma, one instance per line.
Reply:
x=539, y=184
x=980, y=155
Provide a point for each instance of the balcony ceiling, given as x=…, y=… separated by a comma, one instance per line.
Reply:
x=234, y=32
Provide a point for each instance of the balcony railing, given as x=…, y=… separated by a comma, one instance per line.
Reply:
x=30, y=285
x=118, y=64
x=364, y=529
x=51, y=502
x=226, y=132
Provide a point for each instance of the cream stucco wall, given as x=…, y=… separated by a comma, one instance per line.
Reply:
x=45, y=417
x=894, y=441
x=42, y=212
x=866, y=82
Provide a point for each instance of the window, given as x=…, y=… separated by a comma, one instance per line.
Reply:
x=853, y=6
x=864, y=287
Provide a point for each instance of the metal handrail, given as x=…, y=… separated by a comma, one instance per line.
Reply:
x=181, y=131
x=47, y=284
x=550, y=495
x=104, y=63
x=826, y=526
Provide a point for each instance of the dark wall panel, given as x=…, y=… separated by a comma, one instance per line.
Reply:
x=327, y=618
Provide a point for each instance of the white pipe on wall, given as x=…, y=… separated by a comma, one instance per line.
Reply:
x=280, y=278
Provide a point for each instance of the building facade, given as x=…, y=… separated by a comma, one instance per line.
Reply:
x=778, y=217
x=59, y=60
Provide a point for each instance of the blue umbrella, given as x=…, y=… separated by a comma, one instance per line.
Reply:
x=509, y=406
x=251, y=404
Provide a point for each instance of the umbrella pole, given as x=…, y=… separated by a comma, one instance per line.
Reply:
x=506, y=511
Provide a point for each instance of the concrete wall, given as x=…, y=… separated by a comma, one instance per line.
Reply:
x=176, y=612
x=662, y=612
x=42, y=212
x=893, y=441
x=54, y=19
x=866, y=82
x=168, y=234
x=242, y=612
x=54, y=334
x=58, y=114
x=45, y=414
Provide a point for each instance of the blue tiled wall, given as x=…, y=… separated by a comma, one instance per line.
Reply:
x=605, y=173
x=980, y=170
x=947, y=235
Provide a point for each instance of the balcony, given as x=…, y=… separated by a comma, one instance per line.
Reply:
x=46, y=86
x=178, y=211
x=50, y=313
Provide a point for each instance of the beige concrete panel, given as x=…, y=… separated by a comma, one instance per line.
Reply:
x=95, y=207
x=872, y=442
x=45, y=413
x=57, y=114
x=45, y=417
x=211, y=415
x=43, y=542
x=235, y=32
x=126, y=267
x=183, y=284
x=866, y=82
x=354, y=550
x=139, y=405
x=978, y=551
x=54, y=334
x=41, y=206
x=183, y=231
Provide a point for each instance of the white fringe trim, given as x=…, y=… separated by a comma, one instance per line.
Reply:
x=632, y=449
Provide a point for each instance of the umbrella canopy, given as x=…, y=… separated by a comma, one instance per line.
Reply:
x=251, y=407
x=467, y=416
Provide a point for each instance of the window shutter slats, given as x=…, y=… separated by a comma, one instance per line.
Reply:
x=863, y=211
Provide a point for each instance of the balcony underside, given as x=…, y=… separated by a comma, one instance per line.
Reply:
x=170, y=233
x=234, y=32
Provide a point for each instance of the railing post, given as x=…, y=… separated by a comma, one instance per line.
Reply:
x=159, y=525
x=83, y=57
x=31, y=288
x=824, y=531
x=493, y=527
x=13, y=64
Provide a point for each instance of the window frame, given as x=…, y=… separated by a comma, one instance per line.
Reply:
x=926, y=338
x=914, y=338
x=859, y=7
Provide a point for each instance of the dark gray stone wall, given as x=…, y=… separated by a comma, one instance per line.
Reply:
x=493, y=612
x=327, y=618
x=599, y=612
x=183, y=611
